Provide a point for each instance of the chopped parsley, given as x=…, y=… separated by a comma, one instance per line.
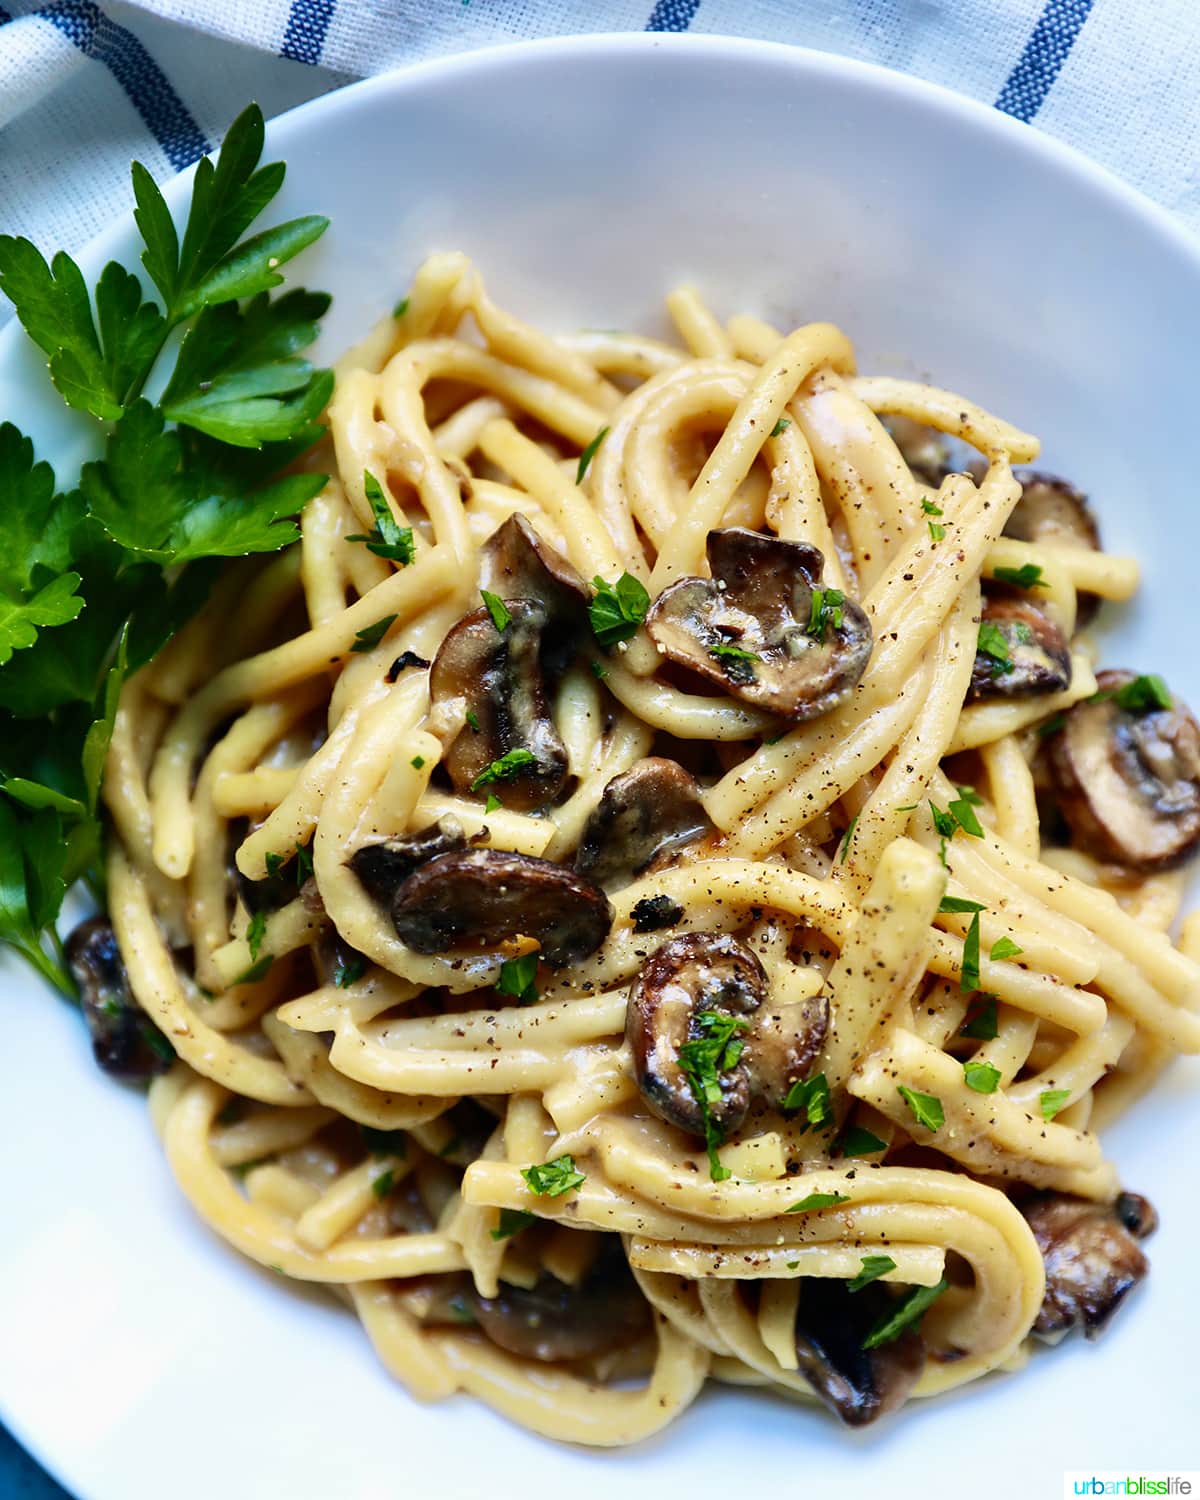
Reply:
x=817, y=1200
x=738, y=663
x=617, y=609
x=943, y=821
x=389, y=539
x=969, y=794
x=653, y=913
x=382, y=1185
x=812, y=1096
x=554, y=1178
x=472, y=721
x=969, y=979
x=909, y=1310
x=585, y=458
x=1143, y=695
x=257, y=970
x=517, y=977
x=599, y=670
x=1051, y=726
x=510, y=764
x=931, y=509
x=349, y=972
x=512, y=1221
x=981, y=1076
x=1027, y=576
x=873, y=1267
x=960, y=904
x=1004, y=947
x=993, y=643
x=982, y=1023
x=417, y=762
x=702, y=1060
x=926, y=1109
x=370, y=636
x=301, y=857
x=493, y=804
x=400, y=308
x=304, y=863
x=1050, y=1101
x=937, y=532
x=858, y=1141
x=255, y=933
x=825, y=609
x=780, y=427
x=496, y=607
x=848, y=838
x=964, y=815
x=384, y=1142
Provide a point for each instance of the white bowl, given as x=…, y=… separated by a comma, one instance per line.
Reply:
x=587, y=176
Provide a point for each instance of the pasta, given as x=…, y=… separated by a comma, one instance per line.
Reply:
x=605, y=987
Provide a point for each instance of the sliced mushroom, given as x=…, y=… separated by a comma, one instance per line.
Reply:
x=518, y=564
x=125, y=1040
x=923, y=449
x=653, y=913
x=553, y=1321
x=1052, y=510
x=700, y=972
x=1039, y=658
x=647, y=811
x=486, y=896
x=1092, y=1258
x=856, y=1384
x=1128, y=781
x=383, y=868
x=495, y=677
x=753, y=626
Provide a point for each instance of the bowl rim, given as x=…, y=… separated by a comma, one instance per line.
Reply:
x=1118, y=194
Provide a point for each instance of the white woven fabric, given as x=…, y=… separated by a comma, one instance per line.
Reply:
x=85, y=87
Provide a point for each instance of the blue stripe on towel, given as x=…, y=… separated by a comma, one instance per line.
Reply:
x=1046, y=51
x=672, y=15
x=147, y=86
x=308, y=22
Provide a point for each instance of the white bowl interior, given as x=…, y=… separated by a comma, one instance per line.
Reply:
x=587, y=178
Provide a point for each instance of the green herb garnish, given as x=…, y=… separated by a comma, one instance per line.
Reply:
x=964, y=815
x=400, y=308
x=993, y=643
x=937, y=532
x=350, y=972
x=857, y=1141
x=969, y=979
x=585, y=458
x=1004, y=947
x=960, y=904
x=382, y=1185
x=256, y=930
x=981, y=1076
x=812, y=1096
x=824, y=609
x=512, y=1221
x=817, y=1200
x=510, y=764
x=930, y=509
x=256, y=971
x=517, y=977
x=1027, y=576
x=873, y=1267
x=1143, y=695
x=702, y=1060
x=780, y=427
x=493, y=804
x=554, y=1178
x=982, y=1023
x=497, y=608
x=909, y=1310
x=848, y=838
x=370, y=636
x=1050, y=1101
x=926, y=1109
x=617, y=609
x=389, y=539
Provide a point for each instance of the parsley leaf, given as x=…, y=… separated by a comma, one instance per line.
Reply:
x=848, y=839
x=926, y=1109
x=964, y=815
x=1050, y=1101
x=930, y=509
x=512, y=1221
x=493, y=803
x=370, y=636
x=389, y=539
x=585, y=458
x=349, y=972
x=825, y=608
x=982, y=1023
x=1143, y=695
x=510, y=764
x=858, y=1141
x=812, y=1096
x=780, y=427
x=994, y=643
x=383, y=1183
x=1027, y=576
x=944, y=822
x=257, y=970
x=1051, y=726
x=873, y=1267
x=937, y=532
x=1004, y=947
x=909, y=1310
x=553, y=1178
x=385, y=1142
x=960, y=904
x=702, y=1060
x=981, y=1076
x=817, y=1200
x=255, y=933
x=517, y=977
x=739, y=664
x=497, y=609
x=617, y=609
x=969, y=979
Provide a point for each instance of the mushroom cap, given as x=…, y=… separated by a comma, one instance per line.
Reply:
x=125, y=1041
x=1128, y=783
x=924, y=449
x=856, y=1384
x=497, y=675
x=1052, y=510
x=649, y=810
x=1039, y=656
x=759, y=602
x=518, y=564
x=383, y=867
x=552, y=1321
x=483, y=897
x=713, y=971
x=1092, y=1258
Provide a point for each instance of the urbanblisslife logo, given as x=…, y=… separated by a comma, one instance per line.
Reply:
x=1113, y=1482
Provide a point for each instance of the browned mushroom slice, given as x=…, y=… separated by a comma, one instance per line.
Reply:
x=495, y=677
x=383, y=868
x=485, y=896
x=1092, y=1258
x=1021, y=652
x=518, y=564
x=763, y=626
x=649, y=810
x=1052, y=510
x=856, y=1384
x=683, y=985
x=125, y=1041
x=1128, y=777
x=552, y=1321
